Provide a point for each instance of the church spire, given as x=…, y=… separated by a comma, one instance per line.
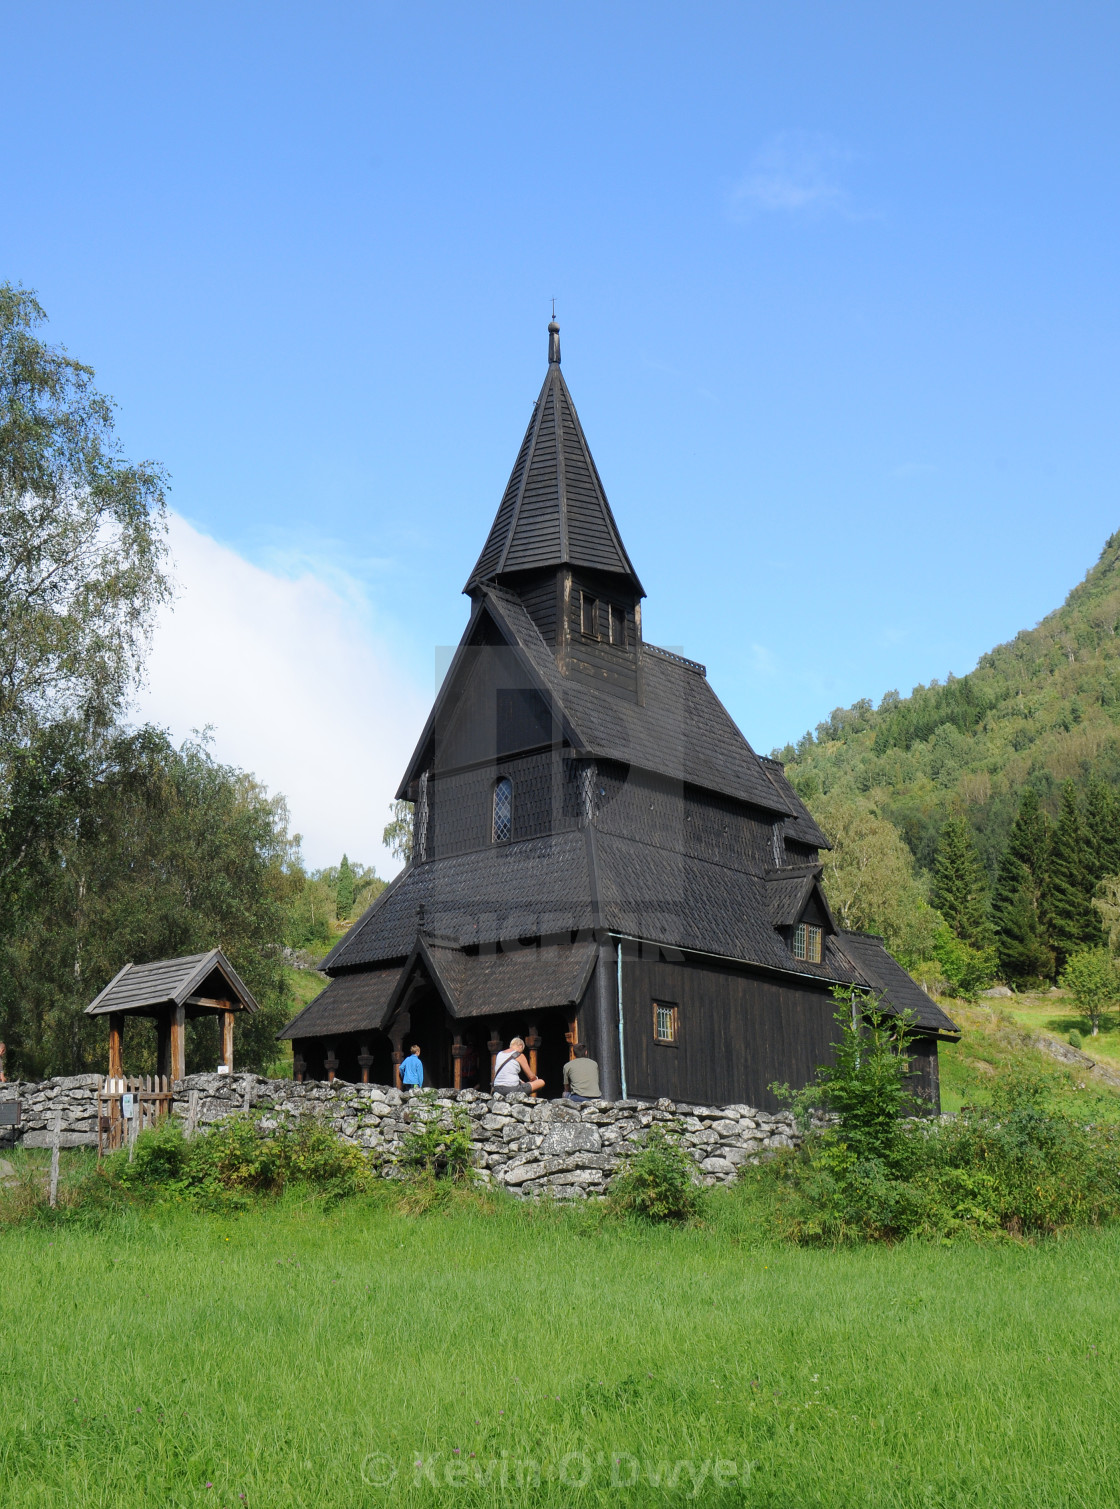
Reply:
x=554, y=511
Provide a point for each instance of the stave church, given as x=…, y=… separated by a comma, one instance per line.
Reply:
x=598, y=854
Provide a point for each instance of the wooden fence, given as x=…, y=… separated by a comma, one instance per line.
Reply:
x=127, y=1107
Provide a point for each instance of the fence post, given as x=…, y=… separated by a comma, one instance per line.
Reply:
x=56, y=1140
x=192, y=1114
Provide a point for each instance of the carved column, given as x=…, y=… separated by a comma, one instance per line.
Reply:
x=299, y=1067
x=330, y=1063
x=495, y=1047
x=571, y=1037
x=365, y=1059
x=458, y=1053
x=532, y=1046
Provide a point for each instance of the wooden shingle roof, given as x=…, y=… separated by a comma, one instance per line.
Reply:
x=554, y=511
x=172, y=982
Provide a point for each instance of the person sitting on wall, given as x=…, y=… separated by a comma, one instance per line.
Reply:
x=509, y=1067
x=412, y=1070
x=581, y=1076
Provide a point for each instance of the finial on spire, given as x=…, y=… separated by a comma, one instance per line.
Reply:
x=553, y=339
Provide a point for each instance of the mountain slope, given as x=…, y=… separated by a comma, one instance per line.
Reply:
x=1036, y=711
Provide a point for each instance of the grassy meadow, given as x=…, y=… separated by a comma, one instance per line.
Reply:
x=297, y=1356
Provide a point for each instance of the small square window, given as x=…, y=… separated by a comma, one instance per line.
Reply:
x=807, y=943
x=616, y=624
x=589, y=615
x=665, y=1025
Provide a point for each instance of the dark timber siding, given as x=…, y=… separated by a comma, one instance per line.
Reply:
x=738, y=1032
x=545, y=798
x=540, y=599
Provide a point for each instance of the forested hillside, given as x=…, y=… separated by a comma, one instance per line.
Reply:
x=1038, y=715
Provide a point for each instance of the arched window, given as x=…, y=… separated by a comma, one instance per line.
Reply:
x=503, y=810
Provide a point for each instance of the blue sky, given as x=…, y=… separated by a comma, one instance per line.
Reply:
x=839, y=308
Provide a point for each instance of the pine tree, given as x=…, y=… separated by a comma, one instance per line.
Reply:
x=1019, y=900
x=1101, y=820
x=1074, y=924
x=960, y=887
x=344, y=890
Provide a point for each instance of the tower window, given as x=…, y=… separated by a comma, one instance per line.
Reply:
x=807, y=943
x=616, y=624
x=589, y=615
x=665, y=1025
x=503, y=810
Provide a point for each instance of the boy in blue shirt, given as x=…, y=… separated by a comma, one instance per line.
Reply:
x=412, y=1070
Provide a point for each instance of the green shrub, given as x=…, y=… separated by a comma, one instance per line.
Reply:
x=1012, y=1167
x=241, y=1157
x=438, y=1142
x=656, y=1180
x=865, y=1087
x=1075, y=1039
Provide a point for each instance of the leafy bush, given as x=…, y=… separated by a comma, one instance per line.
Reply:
x=1009, y=1168
x=438, y=1143
x=1093, y=982
x=865, y=1088
x=656, y=1179
x=966, y=970
x=240, y=1157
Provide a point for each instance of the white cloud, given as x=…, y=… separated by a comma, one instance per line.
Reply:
x=296, y=692
x=795, y=173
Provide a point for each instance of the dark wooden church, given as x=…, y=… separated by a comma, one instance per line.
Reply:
x=598, y=853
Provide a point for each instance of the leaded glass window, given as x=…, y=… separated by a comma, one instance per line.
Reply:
x=807, y=943
x=503, y=810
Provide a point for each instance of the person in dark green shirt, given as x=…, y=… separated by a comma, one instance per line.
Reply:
x=581, y=1076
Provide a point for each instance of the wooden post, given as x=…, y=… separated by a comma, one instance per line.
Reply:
x=532, y=1043
x=227, y=1040
x=116, y=1044
x=330, y=1063
x=572, y=1036
x=299, y=1067
x=178, y=1042
x=495, y=1047
x=3, y=1076
x=365, y=1062
x=56, y=1141
x=192, y=1114
x=396, y=1037
x=457, y=1053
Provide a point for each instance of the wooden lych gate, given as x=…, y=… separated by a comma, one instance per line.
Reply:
x=127, y=1107
x=172, y=992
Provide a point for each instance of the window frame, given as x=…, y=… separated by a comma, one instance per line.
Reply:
x=674, y=1013
x=806, y=937
x=495, y=838
x=589, y=611
x=616, y=615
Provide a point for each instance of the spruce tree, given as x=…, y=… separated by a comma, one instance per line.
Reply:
x=1073, y=922
x=960, y=887
x=1019, y=901
x=1101, y=821
x=344, y=890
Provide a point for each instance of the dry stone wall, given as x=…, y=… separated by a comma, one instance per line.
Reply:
x=528, y=1146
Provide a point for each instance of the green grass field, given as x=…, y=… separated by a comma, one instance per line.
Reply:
x=300, y=1357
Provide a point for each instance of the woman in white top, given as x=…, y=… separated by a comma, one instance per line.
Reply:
x=508, y=1067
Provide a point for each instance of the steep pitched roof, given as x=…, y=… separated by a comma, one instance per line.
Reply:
x=554, y=511
x=897, y=992
x=171, y=982
x=352, y=1003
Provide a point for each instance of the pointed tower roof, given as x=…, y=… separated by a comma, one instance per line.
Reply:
x=554, y=511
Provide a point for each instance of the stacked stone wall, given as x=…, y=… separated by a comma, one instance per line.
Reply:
x=528, y=1146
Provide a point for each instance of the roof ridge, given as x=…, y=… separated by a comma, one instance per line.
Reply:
x=675, y=659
